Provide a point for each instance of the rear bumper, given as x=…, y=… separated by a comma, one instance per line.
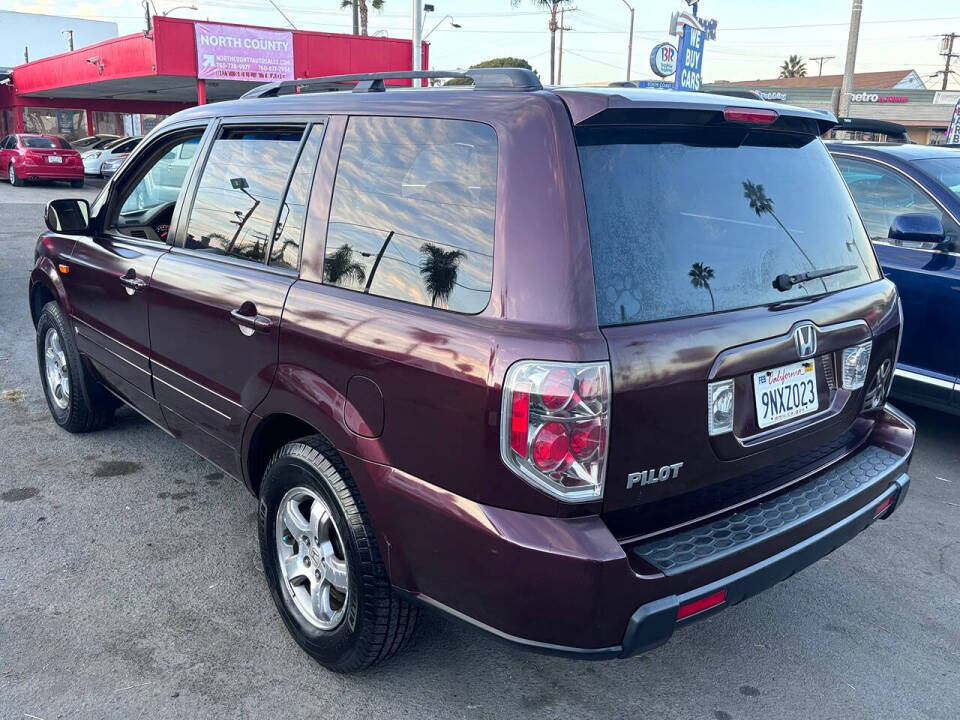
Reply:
x=49, y=172
x=566, y=585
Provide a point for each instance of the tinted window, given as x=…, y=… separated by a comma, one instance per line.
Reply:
x=685, y=222
x=37, y=142
x=945, y=170
x=288, y=234
x=240, y=190
x=883, y=193
x=161, y=184
x=413, y=211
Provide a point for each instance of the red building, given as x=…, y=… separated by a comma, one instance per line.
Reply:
x=127, y=84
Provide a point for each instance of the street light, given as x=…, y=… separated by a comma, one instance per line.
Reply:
x=445, y=17
x=630, y=40
x=178, y=7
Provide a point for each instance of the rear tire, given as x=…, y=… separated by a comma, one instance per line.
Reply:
x=14, y=178
x=367, y=623
x=76, y=183
x=76, y=401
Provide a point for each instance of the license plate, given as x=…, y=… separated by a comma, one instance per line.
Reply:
x=785, y=392
x=54, y=159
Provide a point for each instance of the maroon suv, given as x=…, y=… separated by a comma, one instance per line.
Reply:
x=578, y=366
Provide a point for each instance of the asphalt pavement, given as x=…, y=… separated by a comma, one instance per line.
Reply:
x=131, y=586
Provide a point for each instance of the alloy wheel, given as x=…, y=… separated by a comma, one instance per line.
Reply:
x=55, y=368
x=312, y=559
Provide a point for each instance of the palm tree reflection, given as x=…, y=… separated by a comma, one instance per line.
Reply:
x=762, y=204
x=700, y=277
x=439, y=270
x=341, y=266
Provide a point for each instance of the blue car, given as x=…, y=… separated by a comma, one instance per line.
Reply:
x=909, y=198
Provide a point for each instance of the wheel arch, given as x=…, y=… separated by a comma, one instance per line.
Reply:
x=46, y=286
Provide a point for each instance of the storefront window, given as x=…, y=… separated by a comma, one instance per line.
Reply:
x=108, y=123
x=71, y=124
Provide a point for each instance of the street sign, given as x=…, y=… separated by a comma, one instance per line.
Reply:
x=953, y=132
x=663, y=59
x=690, y=59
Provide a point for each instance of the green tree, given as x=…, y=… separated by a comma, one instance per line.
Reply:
x=362, y=7
x=439, y=270
x=700, y=277
x=554, y=7
x=500, y=62
x=340, y=265
x=793, y=67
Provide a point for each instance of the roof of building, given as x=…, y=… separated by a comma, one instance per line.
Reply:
x=871, y=80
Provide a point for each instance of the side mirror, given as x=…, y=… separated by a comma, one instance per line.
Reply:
x=67, y=216
x=917, y=230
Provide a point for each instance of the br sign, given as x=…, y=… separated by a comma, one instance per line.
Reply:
x=663, y=59
x=235, y=52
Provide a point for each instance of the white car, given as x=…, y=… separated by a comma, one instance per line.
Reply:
x=93, y=160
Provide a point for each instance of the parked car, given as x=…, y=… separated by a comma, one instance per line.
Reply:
x=93, y=142
x=94, y=160
x=39, y=157
x=578, y=366
x=909, y=198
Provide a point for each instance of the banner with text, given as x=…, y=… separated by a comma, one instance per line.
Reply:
x=953, y=132
x=234, y=52
x=689, y=59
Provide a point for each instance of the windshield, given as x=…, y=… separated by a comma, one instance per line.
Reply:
x=689, y=221
x=946, y=170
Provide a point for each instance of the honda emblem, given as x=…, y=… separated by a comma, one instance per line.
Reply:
x=805, y=340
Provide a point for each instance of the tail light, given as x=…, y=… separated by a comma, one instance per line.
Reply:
x=854, y=363
x=555, y=426
x=750, y=116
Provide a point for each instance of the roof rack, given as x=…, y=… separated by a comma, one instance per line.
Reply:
x=515, y=79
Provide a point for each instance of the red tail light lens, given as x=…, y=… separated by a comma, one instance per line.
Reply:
x=559, y=424
x=750, y=116
x=701, y=604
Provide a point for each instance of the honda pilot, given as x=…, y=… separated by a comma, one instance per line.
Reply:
x=579, y=366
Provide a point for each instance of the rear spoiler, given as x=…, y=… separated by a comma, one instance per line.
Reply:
x=602, y=106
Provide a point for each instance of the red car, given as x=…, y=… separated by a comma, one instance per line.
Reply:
x=40, y=157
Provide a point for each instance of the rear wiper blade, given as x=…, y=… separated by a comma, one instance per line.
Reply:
x=785, y=282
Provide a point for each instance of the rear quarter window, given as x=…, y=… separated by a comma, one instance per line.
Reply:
x=413, y=211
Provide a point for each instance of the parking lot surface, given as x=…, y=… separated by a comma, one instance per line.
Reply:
x=131, y=586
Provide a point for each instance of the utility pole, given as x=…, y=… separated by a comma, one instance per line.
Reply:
x=946, y=49
x=820, y=61
x=846, y=87
x=146, y=17
x=417, y=42
x=560, y=59
x=629, y=39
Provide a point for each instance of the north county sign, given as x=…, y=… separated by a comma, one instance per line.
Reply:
x=663, y=59
x=237, y=52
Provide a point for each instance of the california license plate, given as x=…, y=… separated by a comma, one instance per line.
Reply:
x=54, y=158
x=785, y=392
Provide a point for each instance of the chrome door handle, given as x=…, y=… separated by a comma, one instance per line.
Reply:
x=132, y=283
x=250, y=323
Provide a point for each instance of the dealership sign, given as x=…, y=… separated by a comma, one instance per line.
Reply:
x=235, y=52
x=691, y=59
x=663, y=59
x=953, y=132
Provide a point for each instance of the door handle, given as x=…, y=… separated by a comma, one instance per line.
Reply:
x=131, y=283
x=250, y=322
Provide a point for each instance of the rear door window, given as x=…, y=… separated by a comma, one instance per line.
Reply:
x=692, y=221
x=413, y=211
x=240, y=191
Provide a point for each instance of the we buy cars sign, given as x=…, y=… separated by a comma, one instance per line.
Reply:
x=953, y=132
x=235, y=52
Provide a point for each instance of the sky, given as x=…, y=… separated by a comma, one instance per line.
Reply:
x=753, y=38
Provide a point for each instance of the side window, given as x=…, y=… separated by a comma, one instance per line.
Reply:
x=5, y=143
x=287, y=237
x=240, y=190
x=882, y=193
x=412, y=216
x=147, y=203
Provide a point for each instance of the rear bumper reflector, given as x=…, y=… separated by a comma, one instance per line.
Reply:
x=701, y=604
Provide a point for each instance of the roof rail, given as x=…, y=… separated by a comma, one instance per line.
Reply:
x=516, y=79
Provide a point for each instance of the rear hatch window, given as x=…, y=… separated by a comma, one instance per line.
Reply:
x=687, y=221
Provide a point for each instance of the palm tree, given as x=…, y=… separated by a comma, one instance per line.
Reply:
x=793, y=67
x=341, y=265
x=362, y=6
x=700, y=277
x=554, y=7
x=439, y=270
x=761, y=203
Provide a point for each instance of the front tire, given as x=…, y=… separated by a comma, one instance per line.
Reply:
x=322, y=562
x=13, y=177
x=78, y=404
